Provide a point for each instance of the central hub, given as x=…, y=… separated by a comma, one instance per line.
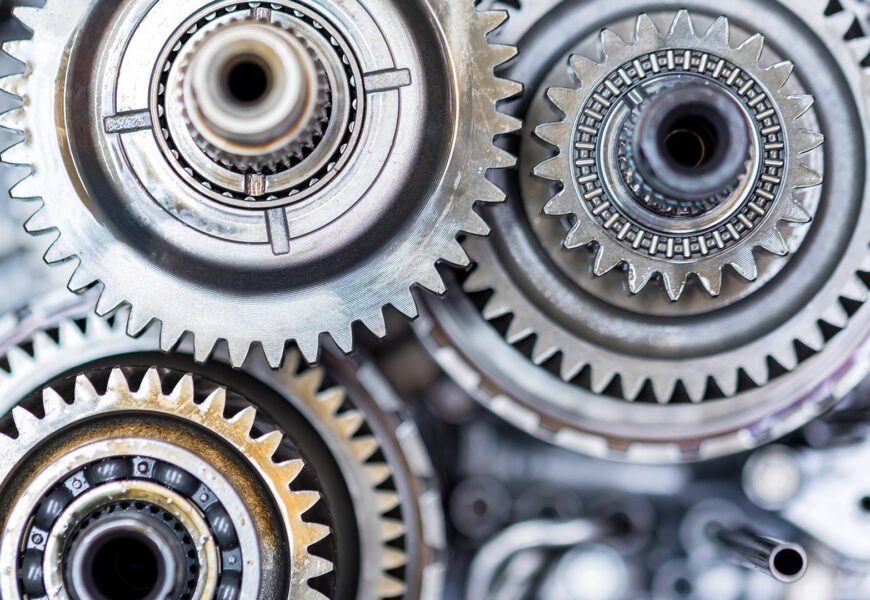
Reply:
x=252, y=90
x=691, y=142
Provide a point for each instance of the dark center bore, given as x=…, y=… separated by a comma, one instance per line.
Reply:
x=789, y=562
x=248, y=80
x=126, y=567
x=692, y=141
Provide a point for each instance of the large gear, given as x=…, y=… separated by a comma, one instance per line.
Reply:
x=249, y=257
x=624, y=371
x=371, y=467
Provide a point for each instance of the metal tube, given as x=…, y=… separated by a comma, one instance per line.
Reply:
x=784, y=561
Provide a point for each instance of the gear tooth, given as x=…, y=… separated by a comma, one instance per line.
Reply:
x=554, y=134
x=343, y=338
x=600, y=379
x=15, y=176
x=393, y=559
x=243, y=421
x=487, y=192
x=695, y=384
x=757, y=371
x=836, y=315
x=682, y=25
x=238, y=351
x=349, y=422
x=561, y=204
x=487, y=21
x=813, y=338
x=43, y=345
x=500, y=54
x=203, y=346
x=563, y=99
x=779, y=74
x=108, y=302
x=310, y=381
x=25, y=421
x=495, y=308
x=363, y=448
x=719, y=32
x=477, y=281
x=374, y=322
x=151, y=386
x=309, y=347
x=290, y=469
x=675, y=283
x=406, y=305
x=711, y=279
x=543, y=350
x=57, y=252
x=794, y=212
x=81, y=279
x=518, y=331
x=391, y=529
x=118, y=383
x=432, y=281
x=578, y=236
x=604, y=263
x=214, y=404
x=774, y=242
x=570, y=368
x=183, y=391
x=274, y=351
x=454, y=254
x=840, y=22
x=645, y=30
x=475, y=225
x=804, y=177
x=137, y=321
x=663, y=388
x=390, y=587
x=787, y=358
x=744, y=263
x=69, y=334
x=805, y=140
x=330, y=401
x=170, y=335
x=377, y=473
x=796, y=106
x=750, y=50
x=860, y=47
x=632, y=384
x=583, y=67
x=611, y=43
x=553, y=168
x=638, y=277
x=39, y=222
x=855, y=290
x=52, y=402
x=18, y=359
x=387, y=501
x=85, y=390
x=305, y=501
x=319, y=567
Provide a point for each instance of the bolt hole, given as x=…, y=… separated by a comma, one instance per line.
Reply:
x=691, y=142
x=125, y=568
x=683, y=587
x=248, y=80
x=789, y=562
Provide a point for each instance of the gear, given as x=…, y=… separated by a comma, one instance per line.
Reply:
x=30, y=471
x=261, y=257
x=691, y=73
x=638, y=376
x=375, y=478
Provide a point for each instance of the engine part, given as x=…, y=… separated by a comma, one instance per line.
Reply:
x=662, y=359
x=361, y=453
x=784, y=561
x=366, y=139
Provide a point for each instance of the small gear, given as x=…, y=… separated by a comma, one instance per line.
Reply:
x=32, y=474
x=689, y=73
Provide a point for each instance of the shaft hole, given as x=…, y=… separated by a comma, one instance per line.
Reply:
x=789, y=562
x=125, y=568
x=248, y=80
x=691, y=142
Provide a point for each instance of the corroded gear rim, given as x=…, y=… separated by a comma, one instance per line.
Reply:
x=409, y=261
x=641, y=264
x=180, y=404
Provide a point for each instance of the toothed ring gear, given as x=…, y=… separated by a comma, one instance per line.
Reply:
x=619, y=325
x=300, y=164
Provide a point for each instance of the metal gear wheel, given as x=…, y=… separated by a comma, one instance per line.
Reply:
x=630, y=373
x=364, y=455
x=72, y=486
x=658, y=99
x=311, y=247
